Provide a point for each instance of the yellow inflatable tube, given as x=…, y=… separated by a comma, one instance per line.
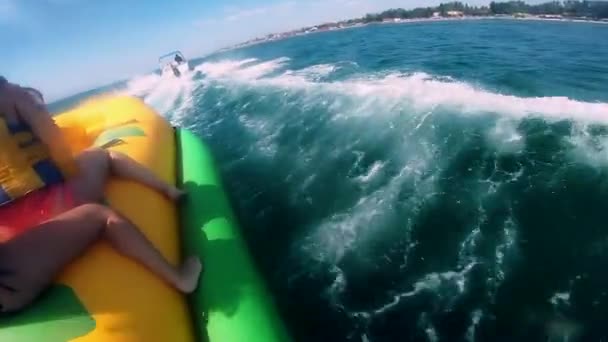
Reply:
x=116, y=299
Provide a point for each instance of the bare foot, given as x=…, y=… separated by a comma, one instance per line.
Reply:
x=174, y=194
x=189, y=274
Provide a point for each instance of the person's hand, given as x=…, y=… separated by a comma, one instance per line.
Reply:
x=27, y=105
x=16, y=101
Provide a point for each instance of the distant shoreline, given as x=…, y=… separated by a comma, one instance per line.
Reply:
x=274, y=37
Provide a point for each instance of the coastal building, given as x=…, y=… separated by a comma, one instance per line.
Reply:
x=550, y=16
x=454, y=14
x=326, y=26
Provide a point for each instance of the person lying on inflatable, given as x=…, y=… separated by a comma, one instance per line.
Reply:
x=49, y=204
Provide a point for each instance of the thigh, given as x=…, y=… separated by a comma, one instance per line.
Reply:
x=33, y=259
x=94, y=168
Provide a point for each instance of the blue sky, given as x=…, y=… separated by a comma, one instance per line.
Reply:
x=66, y=46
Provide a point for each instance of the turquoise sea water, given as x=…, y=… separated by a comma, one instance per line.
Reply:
x=439, y=181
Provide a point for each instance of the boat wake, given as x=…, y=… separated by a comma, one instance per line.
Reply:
x=418, y=186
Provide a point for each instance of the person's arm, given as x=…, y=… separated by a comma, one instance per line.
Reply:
x=33, y=111
x=36, y=115
x=27, y=105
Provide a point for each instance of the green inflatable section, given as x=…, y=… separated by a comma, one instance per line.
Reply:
x=232, y=302
x=58, y=316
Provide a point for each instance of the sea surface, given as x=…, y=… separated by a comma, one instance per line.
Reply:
x=437, y=181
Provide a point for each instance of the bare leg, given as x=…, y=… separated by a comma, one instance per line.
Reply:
x=37, y=256
x=129, y=241
x=96, y=165
x=125, y=167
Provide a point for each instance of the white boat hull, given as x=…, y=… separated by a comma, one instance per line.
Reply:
x=176, y=70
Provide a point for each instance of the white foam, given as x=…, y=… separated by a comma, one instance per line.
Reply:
x=475, y=319
x=344, y=230
x=431, y=334
x=422, y=120
x=314, y=72
x=560, y=298
x=141, y=85
x=223, y=68
x=170, y=96
x=241, y=70
x=466, y=254
x=373, y=171
x=426, y=93
x=433, y=282
x=423, y=96
x=505, y=137
x=588, y=148
x=421, y=91
x=337, y=287
x=265, y=131
x=308, y=182
x=505, y=249
x=425, y=324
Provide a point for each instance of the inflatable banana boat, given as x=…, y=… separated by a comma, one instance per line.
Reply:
x=103, y=296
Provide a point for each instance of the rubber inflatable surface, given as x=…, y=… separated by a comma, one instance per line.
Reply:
x=232, y=303
x=104, y=296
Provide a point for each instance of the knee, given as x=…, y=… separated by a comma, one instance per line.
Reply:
x=99, y=210
x=99, y=157
x=94, y=211
x=99, y=217
x=104, y=156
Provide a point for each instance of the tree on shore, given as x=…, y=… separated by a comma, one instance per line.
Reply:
x=569, y=8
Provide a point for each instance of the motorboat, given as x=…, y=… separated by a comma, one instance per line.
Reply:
x=174, y=64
